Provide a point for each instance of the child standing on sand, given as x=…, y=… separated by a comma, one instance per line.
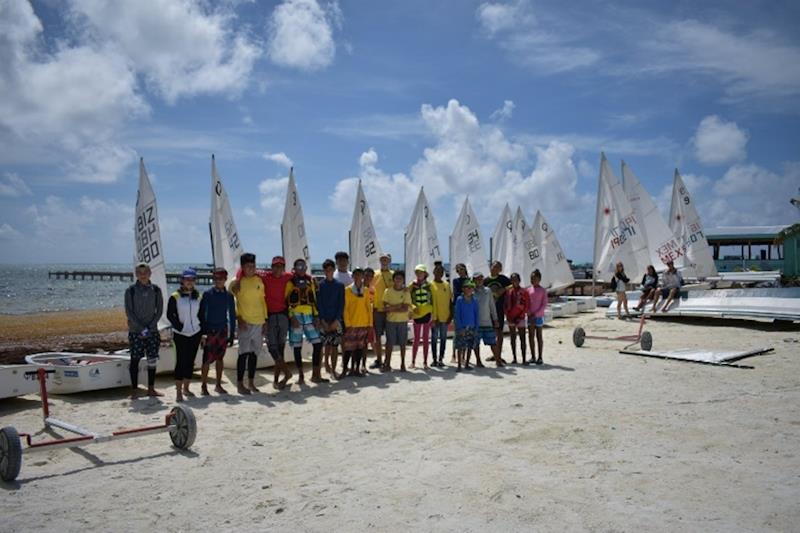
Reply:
x=537, y=303
x=516, y=308
x=301, y=298
x=183, y=312
x=218, y=322
x=487, y=321
x=251, y=310
x=330, y=303
x=398, y=306
x=618, y=282
x=466, y=321
x=144, y=304
x=422, y=299
x=442, y=314
x=358, y=320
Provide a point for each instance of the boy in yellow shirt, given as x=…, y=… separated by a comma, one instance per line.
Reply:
x=398, y=306
x=251, y=310
x=442, y=305
x=358, y=323
x=382, y=281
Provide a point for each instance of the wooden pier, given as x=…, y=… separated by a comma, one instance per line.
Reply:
x=174, y=278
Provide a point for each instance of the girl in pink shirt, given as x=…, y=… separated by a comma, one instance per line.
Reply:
x=537, y=303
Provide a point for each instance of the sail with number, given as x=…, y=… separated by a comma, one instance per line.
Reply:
x=225, y=243
x=662, y=246
x=365, y=250
x=533, y=256
x=618, y=232
x=557, y=273
x=293, y=229
x=685, y=224
x=502, y=241
x=147, y=232
x=466, y=243
x=422, y=241
x=517, y=238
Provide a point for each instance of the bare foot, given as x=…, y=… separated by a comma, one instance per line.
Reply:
x=218, y=389
x=253, y=387
x=301, y=380
x=403, y=368
x=241, y=389
x=135, y=393
x=154, y=393
x=204, y=391
x=426, y=367
x=179, y=397
x=188, y=393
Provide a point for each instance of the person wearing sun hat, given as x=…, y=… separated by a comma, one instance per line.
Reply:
x=422, y=298
x=218, y=324
x=183, y=312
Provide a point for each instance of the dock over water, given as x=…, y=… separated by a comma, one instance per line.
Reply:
x=203, y=277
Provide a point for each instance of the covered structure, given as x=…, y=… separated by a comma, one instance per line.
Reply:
x=737, y=248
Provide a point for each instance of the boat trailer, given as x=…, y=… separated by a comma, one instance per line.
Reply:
x=180, y=423
x=644, y=338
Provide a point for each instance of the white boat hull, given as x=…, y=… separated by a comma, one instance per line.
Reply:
x=14, y=382
x=77, y=372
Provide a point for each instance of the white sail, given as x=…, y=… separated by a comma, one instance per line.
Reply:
x=293, y=229
x=533, y=257
x=466, y=242
x=365, y=250
x=557, y=273
x=502, y=242
x=225, y=242
x=685, y=224
x=422, y=242
x=662, y=246
x=149, y=248
x=517, y=238
x=617, y=233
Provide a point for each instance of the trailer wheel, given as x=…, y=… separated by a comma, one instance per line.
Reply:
x=10, y=454
x=646, y=341
x=184, y=427
x=578, y=336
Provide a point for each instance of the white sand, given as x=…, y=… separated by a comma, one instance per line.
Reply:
x=597, y=441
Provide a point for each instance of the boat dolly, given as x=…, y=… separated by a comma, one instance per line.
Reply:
x=180, y=423
x=643, y=338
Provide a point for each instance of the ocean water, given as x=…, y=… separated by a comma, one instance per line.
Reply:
x=27, y=289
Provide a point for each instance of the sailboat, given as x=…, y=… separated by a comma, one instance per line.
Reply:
x=293, y=229
x=365, y=250
x=466, y=243
x=662, y=246
x=502, y=242
x=556, y=273
x=421, y=239
x=618, y=232
x=685, y=224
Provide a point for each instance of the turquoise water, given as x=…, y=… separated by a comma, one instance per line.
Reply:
x=27, y=289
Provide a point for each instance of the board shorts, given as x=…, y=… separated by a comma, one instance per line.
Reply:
x=536, y=321
x=379, y=322
x=250, y=338
x=487, y=335
x=216, y=344
x=355, y=338
x=331, y=338
x=396, y=333
x=465, y=338
x=277, y=329
x=306, y=327
x=144, y=347
x=665, y=292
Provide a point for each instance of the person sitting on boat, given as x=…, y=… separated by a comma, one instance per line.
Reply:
x=183, y=312
x=671, y=282
x=618, y=282
x=649, y=287
x=218, y=323
x=144, y=304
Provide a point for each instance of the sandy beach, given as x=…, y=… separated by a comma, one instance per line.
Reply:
x=592, y=440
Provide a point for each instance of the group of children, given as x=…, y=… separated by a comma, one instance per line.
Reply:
x=671, y=281
x=345, y=310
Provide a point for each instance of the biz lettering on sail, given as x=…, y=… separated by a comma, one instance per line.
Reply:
x=621, y=233
x=230, y=232
x=473, y=241
x=147, y=249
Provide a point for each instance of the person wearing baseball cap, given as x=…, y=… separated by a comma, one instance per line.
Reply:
x=183, y=312
x=218, y=324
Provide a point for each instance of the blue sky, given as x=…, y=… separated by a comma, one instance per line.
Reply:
x=504, y=101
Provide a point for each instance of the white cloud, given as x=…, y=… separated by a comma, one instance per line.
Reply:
x=181, y=47
x=279, y=158
x=368, y=158
x=273, y=198
x=12, y=185
x=102, y=163
x=301, y=34
x=504, y=112
x=717, y=142
x=545, y=47
x=755, y=63
x=7, y=232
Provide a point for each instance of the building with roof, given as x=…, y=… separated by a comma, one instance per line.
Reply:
x=737, y=248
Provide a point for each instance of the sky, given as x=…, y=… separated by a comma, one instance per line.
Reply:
x=503, y=101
